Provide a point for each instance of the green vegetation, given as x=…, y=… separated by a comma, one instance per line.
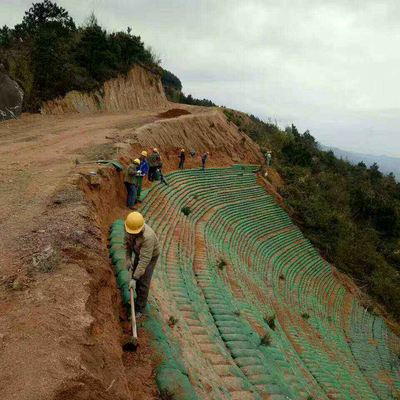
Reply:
x=270, y=320
x=49, y=55
x=221, y=264
x=173, y=90
x=351, y=213
x=266, y=340
x=172, y=321
x=186, y=210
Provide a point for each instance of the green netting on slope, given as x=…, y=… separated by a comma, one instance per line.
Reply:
x=307, y=280
x=171, y=376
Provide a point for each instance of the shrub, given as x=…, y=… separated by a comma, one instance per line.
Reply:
x=186, y=210
x=270, y=320
x=172, y=321
x=266, y=340
x=221, y=264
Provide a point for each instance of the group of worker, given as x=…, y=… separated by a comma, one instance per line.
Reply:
x=182, y=158
x=137, y=169
x=142, y=244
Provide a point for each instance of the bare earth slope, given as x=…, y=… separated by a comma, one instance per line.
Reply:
x=139, y=89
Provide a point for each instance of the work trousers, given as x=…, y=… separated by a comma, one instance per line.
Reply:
x=131, y=194
x=143, y=284
x=139, y=188
x=181, y=162
x=152, y=173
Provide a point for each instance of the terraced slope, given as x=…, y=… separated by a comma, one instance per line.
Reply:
x=234, y=263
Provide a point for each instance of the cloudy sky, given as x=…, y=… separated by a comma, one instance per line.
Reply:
x=330, y=66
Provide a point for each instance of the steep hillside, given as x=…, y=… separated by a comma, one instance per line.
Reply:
x=60, y=307
x=351, y=213
x=258, y=313
x=138, y=89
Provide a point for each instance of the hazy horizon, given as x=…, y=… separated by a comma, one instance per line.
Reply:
x=327, y=66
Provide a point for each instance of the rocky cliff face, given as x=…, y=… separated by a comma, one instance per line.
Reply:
x=11, y=96
x=139, y=89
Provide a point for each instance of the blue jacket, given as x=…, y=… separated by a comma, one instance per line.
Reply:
x=144, y=167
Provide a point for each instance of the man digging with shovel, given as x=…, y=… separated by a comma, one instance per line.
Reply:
x=142, y=251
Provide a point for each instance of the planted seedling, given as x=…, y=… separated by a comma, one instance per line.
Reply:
x=266, y=340
x=237, y=313
x=172, y=321
x=186, y=210
x=221, y=264
x=270, y=320
x=282, y=277
x=305, y=316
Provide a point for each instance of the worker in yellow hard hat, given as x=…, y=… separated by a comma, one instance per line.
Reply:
x=131, y=182
x=154, y=164
x=182, y=158
x=143, y=171
x=143, y=250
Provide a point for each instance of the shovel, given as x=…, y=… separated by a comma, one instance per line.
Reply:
x=133, y=343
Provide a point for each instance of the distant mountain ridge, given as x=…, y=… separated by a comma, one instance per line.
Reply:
x=386, y=164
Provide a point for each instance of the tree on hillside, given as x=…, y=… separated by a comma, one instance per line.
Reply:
x=93, y=54
x=42, y=14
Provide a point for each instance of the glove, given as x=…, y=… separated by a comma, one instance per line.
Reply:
x=132, y=284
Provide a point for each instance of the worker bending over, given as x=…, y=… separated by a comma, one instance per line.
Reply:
x=142, y=251
x=131, y=183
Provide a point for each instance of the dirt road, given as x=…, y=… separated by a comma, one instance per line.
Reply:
x=46, y=324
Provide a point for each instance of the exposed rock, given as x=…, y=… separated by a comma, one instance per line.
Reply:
x=11, y=96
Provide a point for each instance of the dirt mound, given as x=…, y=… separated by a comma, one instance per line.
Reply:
x=174, y=112
x=139, y=89
x=206, y=131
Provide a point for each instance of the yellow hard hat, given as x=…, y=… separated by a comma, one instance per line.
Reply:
x=183, y=150
x=155, y=150
x=134, y=223
x=136, y=161
x=144, y=153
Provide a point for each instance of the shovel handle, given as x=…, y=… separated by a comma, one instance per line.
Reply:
x=134, y=329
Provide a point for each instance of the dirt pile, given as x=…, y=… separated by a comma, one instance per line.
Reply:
x=139, y=89
x=11, y=96
x=173, y=112
x=205, y=131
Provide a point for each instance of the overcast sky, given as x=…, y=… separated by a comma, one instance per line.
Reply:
x=332, y=67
